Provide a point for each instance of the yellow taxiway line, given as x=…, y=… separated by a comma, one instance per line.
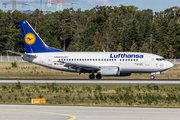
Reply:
x=72, y=117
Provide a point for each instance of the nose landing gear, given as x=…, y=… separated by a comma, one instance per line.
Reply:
x=152, y=77
x=154, y=73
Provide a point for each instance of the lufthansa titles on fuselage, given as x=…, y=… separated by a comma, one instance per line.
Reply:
x=60, y=56
x=121, y=55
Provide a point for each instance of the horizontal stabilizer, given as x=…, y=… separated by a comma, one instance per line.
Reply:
x=18, y=53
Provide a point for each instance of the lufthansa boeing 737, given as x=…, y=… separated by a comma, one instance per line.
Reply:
x=101, y=63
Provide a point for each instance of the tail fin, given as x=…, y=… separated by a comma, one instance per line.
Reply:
x=32, y=42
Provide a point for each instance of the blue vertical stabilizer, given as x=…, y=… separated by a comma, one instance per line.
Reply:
x=33, y=43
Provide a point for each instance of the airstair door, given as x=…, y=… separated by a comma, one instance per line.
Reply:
x=147, y=61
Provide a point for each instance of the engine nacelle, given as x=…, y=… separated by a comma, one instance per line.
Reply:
x=110, y=71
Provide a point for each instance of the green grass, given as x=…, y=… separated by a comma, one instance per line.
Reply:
x=25, y=70
x=93, y=95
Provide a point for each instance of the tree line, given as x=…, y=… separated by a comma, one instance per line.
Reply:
x=109, y=28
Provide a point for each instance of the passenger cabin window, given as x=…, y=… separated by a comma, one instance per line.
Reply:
x=82, y=59
x=87, y=59
x=98, y=59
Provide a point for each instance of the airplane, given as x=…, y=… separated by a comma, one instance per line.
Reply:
x=99, y=63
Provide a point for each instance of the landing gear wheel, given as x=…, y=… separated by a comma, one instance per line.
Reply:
x=152, y=77
x=98, y=76
x=91, y=76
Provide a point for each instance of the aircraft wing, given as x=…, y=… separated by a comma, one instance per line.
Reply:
x=18, y=53
x=80, y=67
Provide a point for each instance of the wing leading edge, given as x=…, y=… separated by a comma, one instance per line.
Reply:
x=80, y=67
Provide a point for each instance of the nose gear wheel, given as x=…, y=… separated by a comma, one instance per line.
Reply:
x=152, y=77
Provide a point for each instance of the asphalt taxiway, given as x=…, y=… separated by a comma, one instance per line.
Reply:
x=87, y=81
x=40, y=112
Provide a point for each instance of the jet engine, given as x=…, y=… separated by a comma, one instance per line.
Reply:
x=110, y=71
x=125, y=74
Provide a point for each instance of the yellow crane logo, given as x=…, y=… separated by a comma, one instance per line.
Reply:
x=30, y=38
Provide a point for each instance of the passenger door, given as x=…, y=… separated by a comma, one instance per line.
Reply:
x=147, y=61
x=49, y=60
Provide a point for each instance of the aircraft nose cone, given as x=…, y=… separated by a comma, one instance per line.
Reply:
x=170, y=65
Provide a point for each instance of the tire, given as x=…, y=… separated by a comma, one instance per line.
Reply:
x=152, y=77
x=91, y=76
x=98, y=76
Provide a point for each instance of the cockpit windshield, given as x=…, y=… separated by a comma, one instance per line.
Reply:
x=160, y=59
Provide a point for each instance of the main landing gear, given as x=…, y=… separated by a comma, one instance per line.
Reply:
x=98, y=76
x=92, y=76
x=152, y=77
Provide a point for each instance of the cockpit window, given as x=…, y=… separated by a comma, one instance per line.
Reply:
x=160, y=59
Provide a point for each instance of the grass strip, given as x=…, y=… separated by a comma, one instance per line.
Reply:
x=92, y=95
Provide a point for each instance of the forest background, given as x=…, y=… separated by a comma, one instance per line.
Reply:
x=110, y=28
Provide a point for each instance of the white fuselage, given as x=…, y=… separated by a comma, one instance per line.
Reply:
x=128, y=62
